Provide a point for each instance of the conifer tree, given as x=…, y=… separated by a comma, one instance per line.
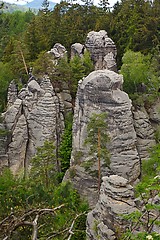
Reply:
x=97, y=140
x=104, y=4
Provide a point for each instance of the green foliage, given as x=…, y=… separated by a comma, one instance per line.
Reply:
x=87, y=63
x=43, y=165
x=4, y=132
x=134, y=25
x=104, y=4
x=149, y=210
x=97, y=140
x=43, y=65
x=5, y=77
x=21, y=200
x=135, y=70
x=77, y=72
x=66, y=144
x=98, y=125
x=72, y=71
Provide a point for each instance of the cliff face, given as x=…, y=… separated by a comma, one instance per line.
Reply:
x=33, y=116
x=116, y=199
x=100, y=92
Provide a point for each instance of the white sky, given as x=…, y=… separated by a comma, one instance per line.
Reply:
x=112, y=2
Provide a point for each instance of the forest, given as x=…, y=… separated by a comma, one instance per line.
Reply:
x=134, y=26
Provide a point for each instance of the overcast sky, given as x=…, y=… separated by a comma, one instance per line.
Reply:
x=112, y=2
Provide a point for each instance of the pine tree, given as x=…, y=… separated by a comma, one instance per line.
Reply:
x=104, y=4
x=43, y=165
x=45, y=6
x=97, y=140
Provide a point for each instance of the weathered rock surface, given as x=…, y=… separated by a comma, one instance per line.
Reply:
x=77, y=49
x=18, y=146
x=3, y=146
x=12, y=93
x=116, y=199
x=58, y=51
x=144, y=131
x=154, y=113
x=100, y=92
x=103, y=50
x=35, y=116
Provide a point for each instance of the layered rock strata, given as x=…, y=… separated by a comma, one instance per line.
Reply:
x=100, y=92
x=145, y=132
x=35, y=116
x=103, y=50
x=116, y=199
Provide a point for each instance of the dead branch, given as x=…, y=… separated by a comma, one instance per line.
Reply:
x=35, y=227
x=72, y=225
x=16, y=222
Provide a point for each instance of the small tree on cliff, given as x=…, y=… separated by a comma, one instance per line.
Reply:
x=97, y=139
x=43, y=165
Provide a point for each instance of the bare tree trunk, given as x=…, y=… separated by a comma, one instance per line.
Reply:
x=24, y=62
x=35, y=228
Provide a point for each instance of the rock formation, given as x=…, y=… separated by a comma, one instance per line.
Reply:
x=3, y=146
x=77, y=49
x=58, y=51
x=103, y=50
x=12, y=93
x=100, y=92
x=35, y=116
x=116, y=198
x=144, y=131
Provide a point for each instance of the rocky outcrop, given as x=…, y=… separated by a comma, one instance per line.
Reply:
x=58, y=51
x=100, y=92
x=154, y=113
x=77, y=49
x=12, y=93
x=144, y=131
x=116, y=199
x=102, y=49
x=3, y=146
x=35, y=116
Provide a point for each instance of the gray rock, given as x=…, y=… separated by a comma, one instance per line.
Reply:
x=77, y=49
x=58, y=51
x=12, y=114
x=154, y=112
x=100, y=92
x=33, y=86
x=103, y=50
x=3, y=146
x=18, y=146
x=144, y=131
x=114, y=201
x=35, y=116
x=12, y=93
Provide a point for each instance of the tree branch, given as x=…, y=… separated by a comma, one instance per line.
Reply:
x=72, y=225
